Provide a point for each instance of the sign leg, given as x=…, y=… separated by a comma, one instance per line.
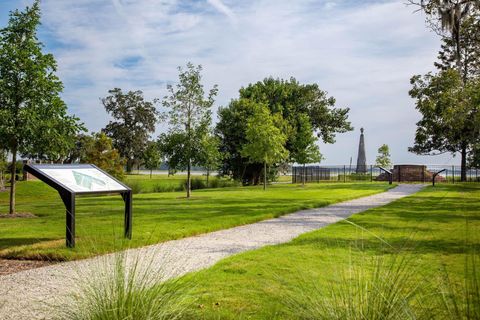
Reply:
x=69, y=201
x=127, y=197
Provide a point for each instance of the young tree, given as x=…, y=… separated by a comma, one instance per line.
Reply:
x=304, y=147
x=210, y=156
x=134, y=121
x=33, y=118
x=151, y=157
x=450, y=114
x=265, y=140
x=189, y=115
x=100, y=152
x=383, y=158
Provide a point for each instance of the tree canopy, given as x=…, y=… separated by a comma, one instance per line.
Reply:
x=134, y=122
x=33, y=117
x=286, y=98
x=450, y=113
x=265, y=141
x=99, y=151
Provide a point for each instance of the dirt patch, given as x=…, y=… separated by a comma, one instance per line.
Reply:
x=17, y=215
x=13, y=266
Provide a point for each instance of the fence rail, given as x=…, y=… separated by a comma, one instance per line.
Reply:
x=400, y=173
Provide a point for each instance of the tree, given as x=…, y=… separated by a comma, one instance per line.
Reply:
x=210, y=156
x=304, y=147
x=151, y=157
x=450, y=114
x=474, y=156
x=189, y=115
x=33, y=118
x=3, y=168
x=287, y=98
x=80, y=147
x=100, y=152
x=469, y=48
x=134, y=121
x=171, y=146
x=265, y=140
x=446, y=18
x=383, y=158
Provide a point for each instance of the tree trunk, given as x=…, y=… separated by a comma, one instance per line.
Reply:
x=264, y=176
x=151, y=170
x=189, y=182
x=208, y=174
x=303, y=176
x=129, y=165
x=463, y=174
x=2, y=182
x=12, y=179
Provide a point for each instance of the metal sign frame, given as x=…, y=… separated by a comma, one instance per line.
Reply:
x=68, y=195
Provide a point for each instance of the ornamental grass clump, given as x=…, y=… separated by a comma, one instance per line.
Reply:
x=123, y=287
x=381, y=288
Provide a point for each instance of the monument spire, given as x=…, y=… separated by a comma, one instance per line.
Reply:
x=361, y=159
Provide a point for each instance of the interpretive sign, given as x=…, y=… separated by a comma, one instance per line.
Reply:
x=72, y=179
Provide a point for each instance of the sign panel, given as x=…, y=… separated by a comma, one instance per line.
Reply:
x=81, y=178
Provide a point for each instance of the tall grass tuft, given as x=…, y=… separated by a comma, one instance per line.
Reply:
x=127, y=288
x=462, y=300
x=380, y=289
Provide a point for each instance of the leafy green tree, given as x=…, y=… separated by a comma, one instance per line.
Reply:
x=265, y=140
x=80, y=147
x=152, y=157
x=210, y=156
x=288, y=98
x=383, y=158
x=304, y=147
x=33, y=118
x=171, y=146
x=474, y=156
x=189, y=116
x=450, y=114
x=100, y=152
x=3, y=168
x=134, y=121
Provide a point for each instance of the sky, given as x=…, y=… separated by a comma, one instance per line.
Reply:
x=362, y=52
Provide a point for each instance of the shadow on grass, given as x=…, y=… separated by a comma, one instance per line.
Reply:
x=12, y=242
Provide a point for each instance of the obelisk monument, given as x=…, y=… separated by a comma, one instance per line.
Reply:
x=361, y=159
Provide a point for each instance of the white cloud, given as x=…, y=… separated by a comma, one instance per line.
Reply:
x=362, y=53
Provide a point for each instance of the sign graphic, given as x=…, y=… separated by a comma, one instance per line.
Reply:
x=82, y=179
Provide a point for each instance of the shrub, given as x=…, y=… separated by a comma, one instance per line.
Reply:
x=136, y=186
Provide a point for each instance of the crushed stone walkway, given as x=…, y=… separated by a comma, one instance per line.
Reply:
x=31, y=294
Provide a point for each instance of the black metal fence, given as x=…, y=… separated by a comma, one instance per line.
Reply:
x=400, y=173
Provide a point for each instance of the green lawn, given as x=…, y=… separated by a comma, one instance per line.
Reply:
x=156, y=216
x=435, y=231
x=164, y=183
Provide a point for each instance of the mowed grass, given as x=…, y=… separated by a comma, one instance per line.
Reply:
x=157, y=217
x=436, y=231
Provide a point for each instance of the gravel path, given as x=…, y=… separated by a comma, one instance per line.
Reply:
x=27, y=294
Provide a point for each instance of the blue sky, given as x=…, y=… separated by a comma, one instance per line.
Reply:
x=361, y=52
